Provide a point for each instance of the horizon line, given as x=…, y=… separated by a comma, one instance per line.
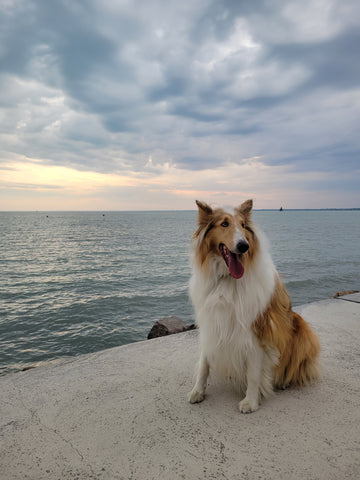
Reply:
x=177, y=210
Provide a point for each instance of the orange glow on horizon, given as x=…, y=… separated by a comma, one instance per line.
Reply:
x=37, y=176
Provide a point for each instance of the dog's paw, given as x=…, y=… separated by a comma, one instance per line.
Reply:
x=195, y=396
x=248, y=406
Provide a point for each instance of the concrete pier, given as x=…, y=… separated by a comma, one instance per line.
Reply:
x=123, y=414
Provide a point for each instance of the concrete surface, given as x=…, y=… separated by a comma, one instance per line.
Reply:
x=123, y=414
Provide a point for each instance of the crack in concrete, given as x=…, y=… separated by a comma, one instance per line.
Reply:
x=34, y=417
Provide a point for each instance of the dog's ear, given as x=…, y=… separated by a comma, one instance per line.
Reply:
x=204, y=207
x=205, y=212
x=245, y=208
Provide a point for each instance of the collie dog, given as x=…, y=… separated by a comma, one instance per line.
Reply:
x=248, y=331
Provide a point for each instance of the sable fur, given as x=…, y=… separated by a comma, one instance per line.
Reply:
x=248, y=330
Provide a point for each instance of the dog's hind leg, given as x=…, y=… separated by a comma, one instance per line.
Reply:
x=197, y=394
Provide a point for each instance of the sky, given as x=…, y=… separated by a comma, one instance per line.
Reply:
x=151, y=104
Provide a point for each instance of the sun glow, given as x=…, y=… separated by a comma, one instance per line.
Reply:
x=29, y=184
x=49, y=177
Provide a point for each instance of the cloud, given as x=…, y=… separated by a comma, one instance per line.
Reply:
x=196, y=86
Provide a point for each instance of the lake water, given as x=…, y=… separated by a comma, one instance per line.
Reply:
x=80, y=282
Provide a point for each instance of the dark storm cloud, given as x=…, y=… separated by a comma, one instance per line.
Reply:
x=333, y=63
x=56, y=32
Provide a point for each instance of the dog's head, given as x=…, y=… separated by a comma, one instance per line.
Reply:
x=228, y=237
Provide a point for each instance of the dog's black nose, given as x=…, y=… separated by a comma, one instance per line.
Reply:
x=242, y=246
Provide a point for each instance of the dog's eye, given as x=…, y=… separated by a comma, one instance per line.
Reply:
x=243, y=225
x=225, y=224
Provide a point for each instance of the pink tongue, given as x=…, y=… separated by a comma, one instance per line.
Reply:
x=236, y=268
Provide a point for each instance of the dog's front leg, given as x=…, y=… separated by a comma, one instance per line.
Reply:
x=253, y=375
x=197, y=394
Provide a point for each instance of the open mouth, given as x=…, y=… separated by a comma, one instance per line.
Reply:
x=233, y=261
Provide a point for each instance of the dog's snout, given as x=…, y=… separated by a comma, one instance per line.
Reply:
x=242, y=246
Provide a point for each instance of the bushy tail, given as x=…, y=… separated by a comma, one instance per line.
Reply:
x=298, y=364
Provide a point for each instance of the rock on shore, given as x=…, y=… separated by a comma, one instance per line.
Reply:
x=168, y=326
